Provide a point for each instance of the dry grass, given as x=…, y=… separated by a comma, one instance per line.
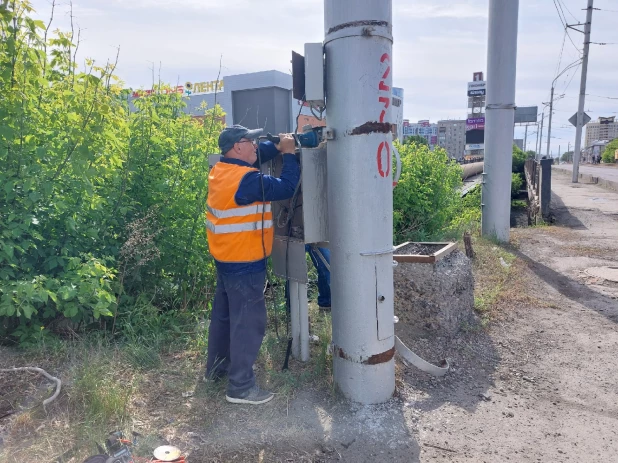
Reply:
x=501, y=280
x=142, y=386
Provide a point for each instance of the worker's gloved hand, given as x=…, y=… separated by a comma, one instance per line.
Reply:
x=286, y=143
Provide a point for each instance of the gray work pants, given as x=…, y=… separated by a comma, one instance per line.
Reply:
x=237, y=327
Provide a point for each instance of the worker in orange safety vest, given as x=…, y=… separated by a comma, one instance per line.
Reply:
x=240, y=233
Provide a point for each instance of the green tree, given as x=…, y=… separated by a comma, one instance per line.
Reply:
x=517, y=181
x=417, y=139
x=426, y=197
x=567, y=156
x=98, y=205
x=519, y=159
x=609, y=152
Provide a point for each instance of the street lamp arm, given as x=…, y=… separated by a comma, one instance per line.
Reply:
x=574, y=63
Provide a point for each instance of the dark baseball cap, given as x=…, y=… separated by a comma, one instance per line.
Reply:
x=231, y=135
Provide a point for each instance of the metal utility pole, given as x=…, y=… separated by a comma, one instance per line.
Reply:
x=500, y=118
x=582, y=93
x=358, y=49
x=551, y=107
x=526, y=138
x=551, y=101
x=538, y=153
x=536, y=145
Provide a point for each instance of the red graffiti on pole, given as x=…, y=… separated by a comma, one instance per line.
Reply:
x=386, y=101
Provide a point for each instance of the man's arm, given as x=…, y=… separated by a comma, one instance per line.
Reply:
x=267, y=152
x=275, y=189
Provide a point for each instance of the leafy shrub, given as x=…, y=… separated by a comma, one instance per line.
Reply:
x=609, y=152
x=517, y=181
x=427, y=196
x=79, y=171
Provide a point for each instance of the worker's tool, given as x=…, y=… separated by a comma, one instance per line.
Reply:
x=117, y=450
x=310, y=138
x=167, y=453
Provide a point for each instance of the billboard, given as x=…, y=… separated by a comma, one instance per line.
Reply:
x=475, y=146
x=475, y=136
x=474, y=123
x=477, y=88
x=525, y=114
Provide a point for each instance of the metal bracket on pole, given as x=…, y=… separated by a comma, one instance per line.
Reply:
x=501, y=106
x=377, y=253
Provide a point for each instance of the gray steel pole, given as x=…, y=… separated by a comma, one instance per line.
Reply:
x=359, y=70
x=551, y=107
x=538, y=153
x=500, y=118
x=526, y=138
x=582, y=93
x=536, y=145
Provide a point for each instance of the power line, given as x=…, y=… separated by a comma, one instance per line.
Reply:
x=561, y=50
x=564, y=24
x=567, y=8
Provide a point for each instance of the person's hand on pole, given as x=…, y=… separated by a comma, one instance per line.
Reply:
x=287, y=144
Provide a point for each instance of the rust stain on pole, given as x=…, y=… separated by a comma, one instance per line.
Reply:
x=380, y=358
x=373, y=360
x=371, y=127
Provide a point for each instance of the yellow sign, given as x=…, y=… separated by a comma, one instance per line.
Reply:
x=199, y=88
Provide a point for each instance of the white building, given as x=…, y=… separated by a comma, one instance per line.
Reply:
x=423, y=128
x=261, y=99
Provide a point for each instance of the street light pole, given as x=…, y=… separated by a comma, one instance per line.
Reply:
x=582, y=94
x=551, y=107
x=551, y=101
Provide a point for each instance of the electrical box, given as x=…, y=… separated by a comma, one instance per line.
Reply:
x=314, y=74
x=303, y=219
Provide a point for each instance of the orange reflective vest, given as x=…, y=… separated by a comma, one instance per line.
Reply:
x=236, y=233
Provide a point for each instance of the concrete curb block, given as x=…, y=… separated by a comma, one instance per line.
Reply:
x=589, y=179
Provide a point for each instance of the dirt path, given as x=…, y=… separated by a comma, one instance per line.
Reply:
x=540, y=385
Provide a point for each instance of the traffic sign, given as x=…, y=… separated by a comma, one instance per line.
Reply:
x=573, y=119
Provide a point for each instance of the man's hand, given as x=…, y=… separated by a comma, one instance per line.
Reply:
x=286, y=143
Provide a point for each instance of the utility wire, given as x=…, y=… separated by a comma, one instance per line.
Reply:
x=564, y=24
x=567, y=8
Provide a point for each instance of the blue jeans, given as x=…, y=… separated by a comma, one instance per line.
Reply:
x=237, y=327
x=323, y=274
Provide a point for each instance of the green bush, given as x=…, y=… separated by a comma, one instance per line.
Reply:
x=466, y=216
x=427, y=196
x=609, y=152
x=517, y=181
x=97, y=204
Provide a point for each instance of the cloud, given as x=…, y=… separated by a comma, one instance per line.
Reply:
x=444, y=9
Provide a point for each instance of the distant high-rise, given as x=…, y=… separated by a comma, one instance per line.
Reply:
x=604, y=128
x=424, y=128
x=452, y=137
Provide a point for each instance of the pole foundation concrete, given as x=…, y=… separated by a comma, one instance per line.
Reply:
x=359, y=69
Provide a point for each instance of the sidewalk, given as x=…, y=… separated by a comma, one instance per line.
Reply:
x=606, y=176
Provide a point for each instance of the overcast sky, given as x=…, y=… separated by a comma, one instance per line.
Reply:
x=438, y=44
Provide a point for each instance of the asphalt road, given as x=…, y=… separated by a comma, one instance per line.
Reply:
x=609, y=173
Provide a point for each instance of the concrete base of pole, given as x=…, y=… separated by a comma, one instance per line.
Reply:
x=377, y=381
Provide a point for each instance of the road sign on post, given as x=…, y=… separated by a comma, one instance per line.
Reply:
x=573, y=119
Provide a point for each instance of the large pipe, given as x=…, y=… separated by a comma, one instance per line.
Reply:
x=470, y=170
x=499, y=120
x=359, y=69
